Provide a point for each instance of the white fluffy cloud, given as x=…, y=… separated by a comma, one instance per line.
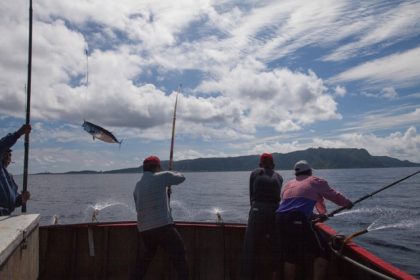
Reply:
x=280, y=98
x=233, y=57
x=146, y=36
x=401, y=145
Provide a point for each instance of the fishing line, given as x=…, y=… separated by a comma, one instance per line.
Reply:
x=371, y=194
x=87, y=67
x=87, y=77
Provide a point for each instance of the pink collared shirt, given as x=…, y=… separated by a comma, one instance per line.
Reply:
x=314, y=189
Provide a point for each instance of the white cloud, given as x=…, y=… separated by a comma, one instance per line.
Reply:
x=404, y=146
x=389, y=93
x=137, y=50
x=385, y=93
x=385, y=119
x=400, y=69
x=340, y=91
x=377, y=26
x=401, y=145
x=280, y=98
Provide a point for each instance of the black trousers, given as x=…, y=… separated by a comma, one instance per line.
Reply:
x=297, y=238
x=170, y=240
x=258, y=244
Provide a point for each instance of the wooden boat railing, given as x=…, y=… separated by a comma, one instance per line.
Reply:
x=214, y=250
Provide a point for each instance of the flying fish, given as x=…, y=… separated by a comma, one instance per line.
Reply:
x=100, y=133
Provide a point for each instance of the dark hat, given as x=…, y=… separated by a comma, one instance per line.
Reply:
x=152, y=160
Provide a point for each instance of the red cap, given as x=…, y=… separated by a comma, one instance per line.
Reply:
x=152, y=160
x=266, y=157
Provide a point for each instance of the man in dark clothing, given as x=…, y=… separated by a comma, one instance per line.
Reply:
x=264, y=193
x=9, y=196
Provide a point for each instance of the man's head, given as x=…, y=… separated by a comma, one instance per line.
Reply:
x=151, y=164
x=302, y=167
x=266, y=161
x=6, y=158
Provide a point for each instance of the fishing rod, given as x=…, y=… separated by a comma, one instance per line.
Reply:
x=371, y=194
x=28, y=108
x=171, y=153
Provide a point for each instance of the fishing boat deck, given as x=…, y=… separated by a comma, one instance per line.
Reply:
x=112, y=250
x=19, y=247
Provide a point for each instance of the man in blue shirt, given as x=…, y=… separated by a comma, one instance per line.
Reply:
x=9, y=196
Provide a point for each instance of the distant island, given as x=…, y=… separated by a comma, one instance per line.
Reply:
x=319, y=158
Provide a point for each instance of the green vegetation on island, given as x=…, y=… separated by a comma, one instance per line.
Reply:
x=320, y=158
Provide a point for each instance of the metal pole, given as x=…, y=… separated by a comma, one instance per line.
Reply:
x=28, y=107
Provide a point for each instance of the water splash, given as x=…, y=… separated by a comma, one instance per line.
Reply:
x=99, y=206
x=374, y=210
x=218, y=212
x=181, y=212
x=102, y=205
x=402, y=224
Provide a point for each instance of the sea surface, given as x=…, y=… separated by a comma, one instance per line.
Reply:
x=392, y=216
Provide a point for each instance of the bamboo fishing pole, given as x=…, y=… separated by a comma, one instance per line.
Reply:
x=171, y=153
x=372, y=194
x=28, y=108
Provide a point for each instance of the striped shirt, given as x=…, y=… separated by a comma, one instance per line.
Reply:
x=150, y=196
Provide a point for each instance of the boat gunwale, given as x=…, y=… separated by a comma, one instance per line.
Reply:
x=351, y=246
x=369, y=256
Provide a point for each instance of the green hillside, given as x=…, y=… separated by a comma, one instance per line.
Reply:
x=319, y=158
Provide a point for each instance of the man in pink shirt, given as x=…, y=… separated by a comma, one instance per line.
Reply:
x=295, y=232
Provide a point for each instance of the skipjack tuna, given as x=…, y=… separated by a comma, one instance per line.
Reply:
x=100, y=133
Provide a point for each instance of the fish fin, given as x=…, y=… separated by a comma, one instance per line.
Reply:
x=93, y=137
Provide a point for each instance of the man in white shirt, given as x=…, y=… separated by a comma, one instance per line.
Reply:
x=154, y=219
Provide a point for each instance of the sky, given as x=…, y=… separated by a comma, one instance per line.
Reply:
x=252, y=77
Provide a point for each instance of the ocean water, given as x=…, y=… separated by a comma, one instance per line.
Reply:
x=392, y=216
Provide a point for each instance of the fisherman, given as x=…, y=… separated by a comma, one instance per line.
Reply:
x=295, y=231
x=155, y=222
x=9, y=196
x=264, y=193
